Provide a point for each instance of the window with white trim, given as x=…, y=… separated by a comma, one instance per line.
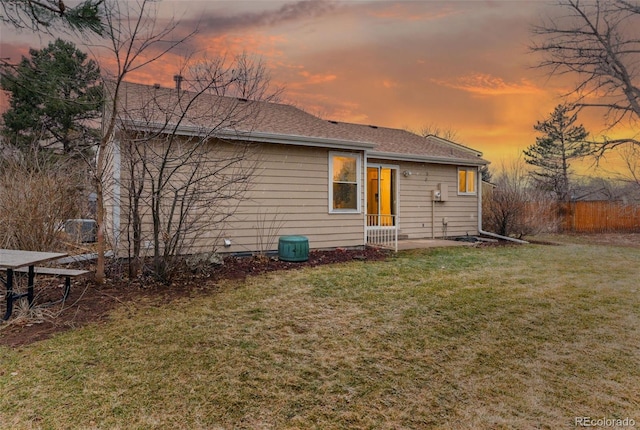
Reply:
x=344, y=182
x=467, y=180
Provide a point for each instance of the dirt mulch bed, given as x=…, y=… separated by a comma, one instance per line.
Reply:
x=88, y=303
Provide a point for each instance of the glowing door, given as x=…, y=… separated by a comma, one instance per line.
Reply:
x=381, y=196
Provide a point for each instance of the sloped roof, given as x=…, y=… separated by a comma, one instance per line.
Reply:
x=266, y=121
x=401, y=144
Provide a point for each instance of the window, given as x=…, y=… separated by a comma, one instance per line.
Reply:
x=344, y=181
x=466, y=180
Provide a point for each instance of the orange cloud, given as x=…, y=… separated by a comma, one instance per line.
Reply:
x=296, y=78
x=318, y=78
x=389, y=83
x=253, y=42
x=487, y=85
x=327, y=107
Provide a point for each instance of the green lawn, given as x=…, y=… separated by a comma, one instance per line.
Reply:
x=506, y=337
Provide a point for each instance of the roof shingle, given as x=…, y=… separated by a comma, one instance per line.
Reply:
x=168, y=107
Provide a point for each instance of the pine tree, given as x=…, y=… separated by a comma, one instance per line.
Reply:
x=56, y=98
x=48, y=15
x=562, y=141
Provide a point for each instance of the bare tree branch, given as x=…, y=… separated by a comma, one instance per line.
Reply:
x=186, y=179
x=598, y=43
x=135, y=40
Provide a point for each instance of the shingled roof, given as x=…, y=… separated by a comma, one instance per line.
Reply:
x=266, y=121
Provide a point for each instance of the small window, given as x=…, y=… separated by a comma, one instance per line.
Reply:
x=466, y=180
x=344, y=178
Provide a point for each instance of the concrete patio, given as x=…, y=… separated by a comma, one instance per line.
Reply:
x=406, y=244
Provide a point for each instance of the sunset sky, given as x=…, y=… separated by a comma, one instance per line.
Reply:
x=459, y=65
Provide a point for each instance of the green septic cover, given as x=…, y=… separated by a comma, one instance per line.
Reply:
x=293, y=248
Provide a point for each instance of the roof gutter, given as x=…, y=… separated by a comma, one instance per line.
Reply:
x=488, y=233
x=428, y=159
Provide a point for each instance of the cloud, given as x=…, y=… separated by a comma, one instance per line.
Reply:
x=389, y=83
x=487, y=85
x=327, y=107
x=406, y=12
x=318, y=78
x=295, y=78
x=288, y=12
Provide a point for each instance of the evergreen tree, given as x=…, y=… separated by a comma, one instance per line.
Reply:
x=562, y=141
x=47, y=15
x=56, y=98
x=486, y=173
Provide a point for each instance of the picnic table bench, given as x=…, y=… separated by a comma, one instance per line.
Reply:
x=16, y=261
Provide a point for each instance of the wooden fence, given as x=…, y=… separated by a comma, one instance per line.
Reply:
x=600, y=217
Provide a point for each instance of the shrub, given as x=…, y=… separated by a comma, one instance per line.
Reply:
x=35, y=199
x=514, y=208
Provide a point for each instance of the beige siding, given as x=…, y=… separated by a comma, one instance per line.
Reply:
x=288, y=195
x=291, y=190
x=415, y=205
x=111, y=194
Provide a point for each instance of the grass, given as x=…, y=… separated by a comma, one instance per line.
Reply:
x=506, y=337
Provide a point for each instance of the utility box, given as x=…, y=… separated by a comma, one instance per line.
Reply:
x=444, y=192
x=293, y=248
x=81, y=230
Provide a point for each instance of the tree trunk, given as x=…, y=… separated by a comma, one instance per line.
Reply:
x=100, y=275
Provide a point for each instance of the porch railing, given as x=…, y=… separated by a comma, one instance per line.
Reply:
x=381, y=231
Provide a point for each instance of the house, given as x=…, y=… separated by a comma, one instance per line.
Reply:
x=338, y=184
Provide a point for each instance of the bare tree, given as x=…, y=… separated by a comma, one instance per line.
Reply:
x=513, y=207
x=598, y=43
x=241, y=76
x=435, y=130
x=631, y=158
x=135, y=39
x=187, y=164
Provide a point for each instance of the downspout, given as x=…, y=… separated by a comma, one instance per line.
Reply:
x=117, y=161
x=488, y=233
x=433, y=218
x=364, y=196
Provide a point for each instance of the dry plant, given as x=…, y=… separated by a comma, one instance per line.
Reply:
x=267, y=231
x=630, y=155
x=542, y=215
x=514, y=207
x=35, y=198
x=49, y=302
x=180, y=188
x=25, y=315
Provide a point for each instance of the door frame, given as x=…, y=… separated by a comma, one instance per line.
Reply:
x=395, y=212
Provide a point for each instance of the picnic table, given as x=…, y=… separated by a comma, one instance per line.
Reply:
x=13, y=260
